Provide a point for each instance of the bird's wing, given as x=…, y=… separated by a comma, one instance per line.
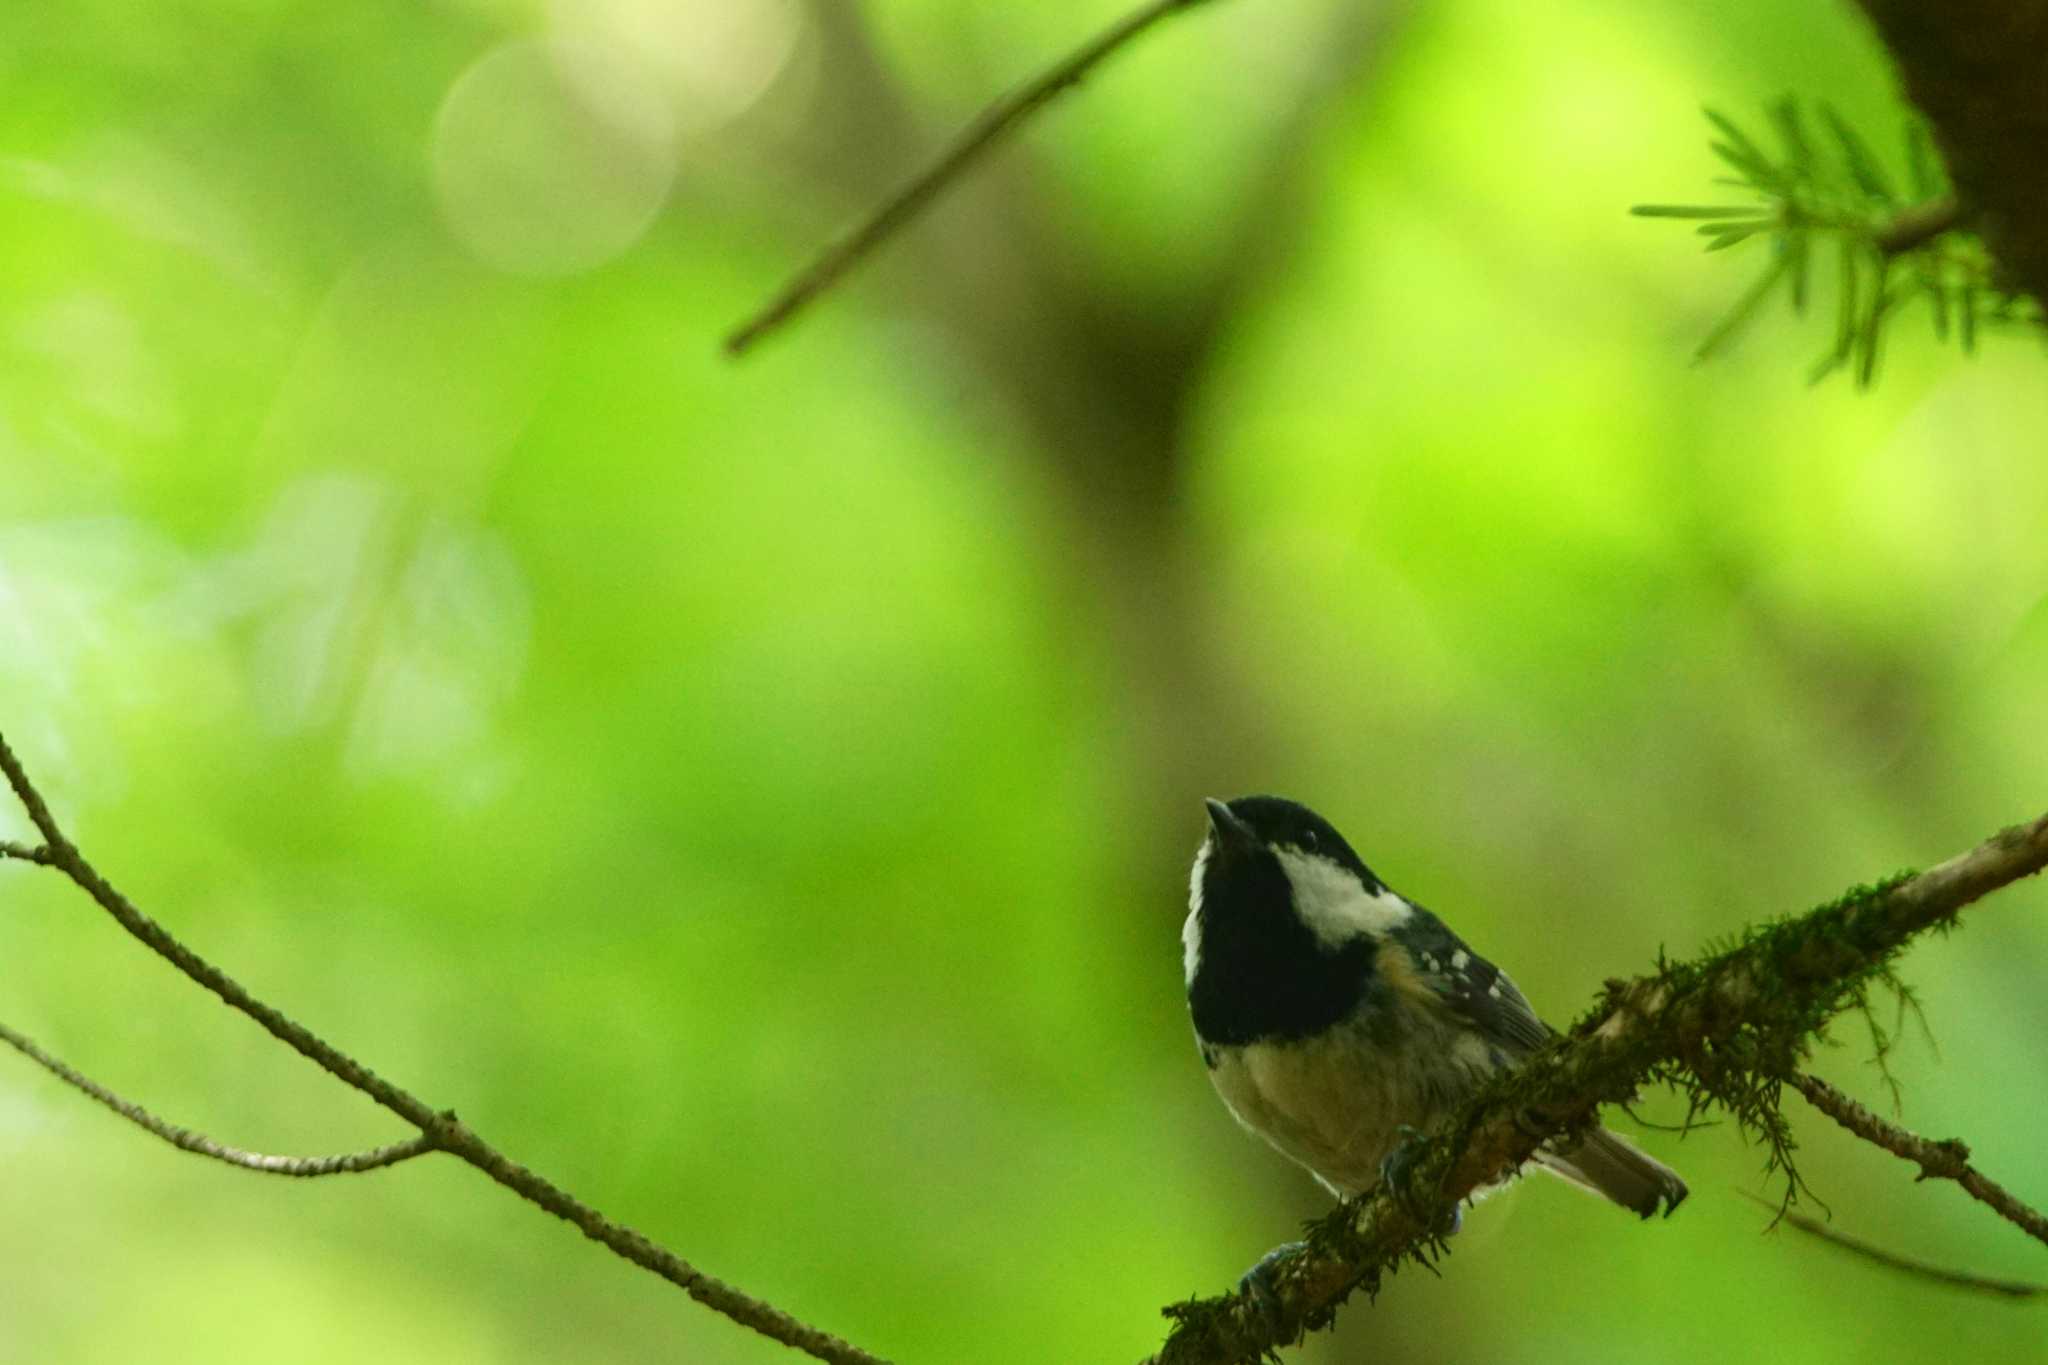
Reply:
x=1468, y=985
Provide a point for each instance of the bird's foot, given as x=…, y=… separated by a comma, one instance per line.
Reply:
x=1257, y=1284
x=1396, y=1169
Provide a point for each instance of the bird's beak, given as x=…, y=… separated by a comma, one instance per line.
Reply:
x=1230, y=833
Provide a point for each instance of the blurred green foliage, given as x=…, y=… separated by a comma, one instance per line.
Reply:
x=734, y=789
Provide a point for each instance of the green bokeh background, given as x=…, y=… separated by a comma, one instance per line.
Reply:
x=758, y=796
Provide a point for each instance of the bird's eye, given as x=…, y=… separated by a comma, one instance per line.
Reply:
x=1308, y=841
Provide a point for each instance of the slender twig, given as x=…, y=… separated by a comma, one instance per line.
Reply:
x=999, y=119
x=1940, y=1160
x=1641, y=1029
x=1892, y=1260
x=1919, y=225
x=440, y=1128
x=188, y=1140
x=39, y=853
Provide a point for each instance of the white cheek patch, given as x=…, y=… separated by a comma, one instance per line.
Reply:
x=1334, y=904
x=1191, y=931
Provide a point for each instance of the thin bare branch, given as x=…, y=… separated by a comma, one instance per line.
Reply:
x=1891, y=1260
x=187, y=1140
x=1919, y=225
x=39, y=853
x=973, y=142
x=1940, y=1160
x=440, y=1128
x=1639, y=1032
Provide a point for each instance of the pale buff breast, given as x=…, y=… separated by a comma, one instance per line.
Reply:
x=1334, y=1103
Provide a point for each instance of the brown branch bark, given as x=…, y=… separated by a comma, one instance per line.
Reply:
x=1919, y=225
x=1681, y=1017
x=185, y=1139
x=1948, y=1159
x=439, y=1128
x=1979, y=70
x=24, y=852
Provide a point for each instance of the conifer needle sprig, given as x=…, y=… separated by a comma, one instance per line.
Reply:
x=1826, y=198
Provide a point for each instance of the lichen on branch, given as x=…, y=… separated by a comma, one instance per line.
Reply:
x=1729, y=1029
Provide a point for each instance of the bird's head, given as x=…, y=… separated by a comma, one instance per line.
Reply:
x=1273, y=867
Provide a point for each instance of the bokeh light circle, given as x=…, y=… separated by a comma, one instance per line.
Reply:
x=540, y=169
x=717, y=59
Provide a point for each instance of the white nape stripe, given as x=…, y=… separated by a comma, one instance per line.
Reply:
x=1335, y=905
x=1191, y=931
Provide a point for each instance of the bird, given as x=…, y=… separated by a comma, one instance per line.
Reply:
x=1338, y=1019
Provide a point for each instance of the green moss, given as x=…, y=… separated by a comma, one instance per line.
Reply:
x=1793, y=975
x=1728, y=1030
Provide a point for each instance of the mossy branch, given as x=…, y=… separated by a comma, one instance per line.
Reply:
x=1730, y=1029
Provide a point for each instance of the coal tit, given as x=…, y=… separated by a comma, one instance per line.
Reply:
x=1333, y=1013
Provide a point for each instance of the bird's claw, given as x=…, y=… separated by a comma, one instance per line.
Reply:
x=1396, y=1169
x=1257, y=1284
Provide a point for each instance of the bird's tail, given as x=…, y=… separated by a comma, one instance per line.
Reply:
x=1611, y=1166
